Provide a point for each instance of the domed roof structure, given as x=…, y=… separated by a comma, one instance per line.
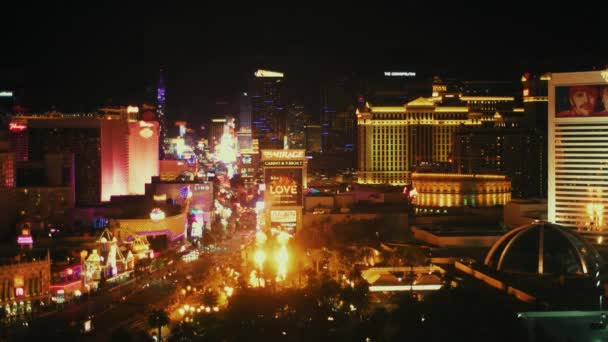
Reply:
x=545, y=249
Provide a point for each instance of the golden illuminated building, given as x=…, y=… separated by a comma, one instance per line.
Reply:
x=393, y=140
x=24, y=285
x=440, y=191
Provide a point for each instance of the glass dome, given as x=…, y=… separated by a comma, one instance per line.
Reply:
x=545, y=249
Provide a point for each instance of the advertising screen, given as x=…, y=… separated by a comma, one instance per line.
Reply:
x=284, y=220
x=289, y=227
x=283, y=187
x=283, y=216
x=581, y=100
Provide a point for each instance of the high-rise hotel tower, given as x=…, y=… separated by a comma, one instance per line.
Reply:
x=578, y=150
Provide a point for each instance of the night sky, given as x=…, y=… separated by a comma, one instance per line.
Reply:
x=79, y=56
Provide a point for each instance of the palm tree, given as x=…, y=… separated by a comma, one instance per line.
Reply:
x=182, y=332
x=210, y=298
x=158, y=318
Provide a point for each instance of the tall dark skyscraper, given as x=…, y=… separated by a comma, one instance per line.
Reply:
x=244, y=113
x=161, y=108
x=298, y=119
x=244, y=123
x=535, y=98
x=268, y=113
x=338, y=97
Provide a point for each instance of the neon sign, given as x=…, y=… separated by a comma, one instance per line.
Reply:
x=282, y=154
x=284, y=190
x=17, y=127
x=19, y=292
x=25, y=240
x=399, y=73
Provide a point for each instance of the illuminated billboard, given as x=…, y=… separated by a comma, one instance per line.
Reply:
x=283, y=186
x=283, y=216
x=284, y=220
x=284, y=181
x=283, y=163
x=576, y=182
x=581, y=100
x=282, y=154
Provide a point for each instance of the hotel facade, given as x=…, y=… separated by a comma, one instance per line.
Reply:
x=114, y=153
x=392, y=141
x=578, y=150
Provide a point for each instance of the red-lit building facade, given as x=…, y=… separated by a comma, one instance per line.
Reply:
x=114, y=153
x=129, y=156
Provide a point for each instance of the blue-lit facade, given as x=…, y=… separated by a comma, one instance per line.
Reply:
x=268, y=112
x=161, y=108
x=337, y=119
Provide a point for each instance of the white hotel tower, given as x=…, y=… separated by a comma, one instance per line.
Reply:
x=578, y=152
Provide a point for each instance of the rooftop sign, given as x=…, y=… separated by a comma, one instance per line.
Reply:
x=399, y=74
x=268, y=73
x=282, y=154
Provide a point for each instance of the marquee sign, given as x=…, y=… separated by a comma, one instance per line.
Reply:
x=279, y=163
x=282, y=154
x=283, y=216
x=284, y=181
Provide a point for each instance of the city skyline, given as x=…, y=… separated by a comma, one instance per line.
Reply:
x=79, y=59
x=363, y=172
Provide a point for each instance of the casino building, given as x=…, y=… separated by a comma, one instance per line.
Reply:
x=393, y=140
x=24, y=285
x=444, y=193
x=578, y=141
x=114, y=152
